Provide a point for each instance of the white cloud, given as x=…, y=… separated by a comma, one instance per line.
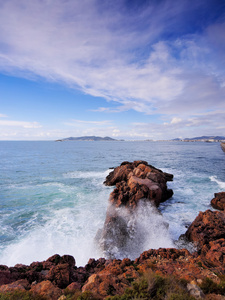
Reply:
x=3, y=116
x=88, y=123
x=125, y=58
x=176, y=120
x=23, y=124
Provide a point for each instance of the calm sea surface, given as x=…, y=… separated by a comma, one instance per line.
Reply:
x=52, y=197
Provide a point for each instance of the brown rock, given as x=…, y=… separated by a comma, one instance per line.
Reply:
x=218, y=202
x=113, y=279
x=47, y=289
x=208, y=226
x=214, y=253
x=138, y=180
x=73, y=286
x=21, y=284
x=104, y=284
x=135, y=182
x=60, y=275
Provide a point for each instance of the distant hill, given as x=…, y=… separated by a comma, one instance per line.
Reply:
x=87, y=138
x=203, y=138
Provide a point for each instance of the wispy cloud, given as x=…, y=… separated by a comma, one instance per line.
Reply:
x=88, y=123
x=152, y=57
x=23, y=124
x=3, y=116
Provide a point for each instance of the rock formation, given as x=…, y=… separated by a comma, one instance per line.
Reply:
x=138, y=180
x=218, y=202
x=135, y=182
x=208, y=226
x=208, y=233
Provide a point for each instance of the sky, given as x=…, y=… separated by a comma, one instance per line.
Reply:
x=128, y=69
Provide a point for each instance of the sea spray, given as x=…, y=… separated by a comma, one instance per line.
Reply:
x=221, y=184
x=134, y=232
x=52, y=197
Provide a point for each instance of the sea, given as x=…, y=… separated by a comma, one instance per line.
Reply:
x=53, y=200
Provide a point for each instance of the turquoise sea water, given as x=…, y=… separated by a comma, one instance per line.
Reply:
x=52, y=197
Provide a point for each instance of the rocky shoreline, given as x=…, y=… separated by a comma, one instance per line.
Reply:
x=197, y=275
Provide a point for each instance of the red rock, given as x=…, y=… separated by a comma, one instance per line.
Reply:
x=138, y=180
x=21, y=284
x=134, y=182
x=218, y=202
x=60, y=275
x=214, y=253
x=73, y=286
x=208, y=226
x=47, y=289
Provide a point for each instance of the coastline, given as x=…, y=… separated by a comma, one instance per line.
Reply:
x=58, y=277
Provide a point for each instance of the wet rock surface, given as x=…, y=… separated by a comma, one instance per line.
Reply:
x=138, y=185
x=138, y=180
x=218, y=202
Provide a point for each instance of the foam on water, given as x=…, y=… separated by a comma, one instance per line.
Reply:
x=87, y=174
x=221, y=184
x=64, y=231
x=53, y=199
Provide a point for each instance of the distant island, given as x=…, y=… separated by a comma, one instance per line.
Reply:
x=202, y=139
x=98, y=138
x=87, y=138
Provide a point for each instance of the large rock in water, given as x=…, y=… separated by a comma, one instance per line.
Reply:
x=218, y=202
x=136, y=182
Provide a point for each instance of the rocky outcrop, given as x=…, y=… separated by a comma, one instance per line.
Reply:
x=138, y=180
x=136, y=183
x=207, y=231
x=218, y=202
x=208, y=226
x=105, y=278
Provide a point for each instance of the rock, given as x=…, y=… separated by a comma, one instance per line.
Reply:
x=47, y=289
x=74, y=286
x=136, y=183
x=195, y=290
x=61, y=273
x=21, y=284
x=138, y=180
x=218, y=202
x=112, y=280
x=214, y=253
x=208, y=226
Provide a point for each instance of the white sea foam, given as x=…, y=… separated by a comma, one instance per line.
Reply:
x=146, y=229
x=221, y=184
x=65, y=231
x=86, y=174
x=71, y=201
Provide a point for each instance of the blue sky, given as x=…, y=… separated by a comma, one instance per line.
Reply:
x=130, y=69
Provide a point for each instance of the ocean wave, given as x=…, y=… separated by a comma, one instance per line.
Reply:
x=221, y=184
x=86, y=174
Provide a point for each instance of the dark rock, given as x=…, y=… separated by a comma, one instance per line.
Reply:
x=218, y=202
